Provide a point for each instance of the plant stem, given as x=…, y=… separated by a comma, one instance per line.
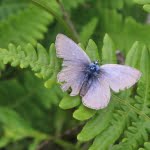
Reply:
x=67, y=19
x=60, y=142
x=67, y=28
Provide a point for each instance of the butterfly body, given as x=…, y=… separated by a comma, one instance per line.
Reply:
x=93, y=69
x=92, y=72
x=91, y=81
x=86, y=83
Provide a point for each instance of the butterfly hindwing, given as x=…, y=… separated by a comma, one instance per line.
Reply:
x=98, y=94
x=116, y=77
x=71, y=78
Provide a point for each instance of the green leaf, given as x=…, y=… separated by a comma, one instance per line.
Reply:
x=44, y=66
x=33, y=25
x=83, y=113
x=97, y=124
x=35, y=144
x=88, y=30
x=108, y=50
x=92, y=50
x=30, y=57
x=50, y=82
x=145, y=64
x=147, y=7
x=134, y=55
x=15, y=127
x=142, y=1
x=135, y=136
x=4, y=141
x=69, y=102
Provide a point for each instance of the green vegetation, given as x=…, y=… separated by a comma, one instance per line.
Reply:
x=34, y=113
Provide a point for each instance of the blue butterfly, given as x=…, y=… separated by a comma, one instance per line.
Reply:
x=92, y=81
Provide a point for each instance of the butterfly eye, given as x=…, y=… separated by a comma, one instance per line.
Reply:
x=92, y=67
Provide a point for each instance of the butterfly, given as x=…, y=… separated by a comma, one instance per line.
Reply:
x=92, y=81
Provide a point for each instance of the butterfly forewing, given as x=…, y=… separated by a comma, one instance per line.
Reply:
x=70, y=51
x=120, y=77
x=75, y=61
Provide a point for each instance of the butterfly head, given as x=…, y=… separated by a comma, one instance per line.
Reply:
x=94, y=68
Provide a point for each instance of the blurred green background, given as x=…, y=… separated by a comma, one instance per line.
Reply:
x=30, y=116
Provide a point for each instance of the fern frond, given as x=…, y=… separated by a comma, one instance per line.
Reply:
x=144, y=86
x=11, y=8
x=123, y=30
x=88, y=30
x=116, y=127
x=100, y=120
x=41, y=62
x=132, y=26
x=13, y=124
x=142, y=1
x=109, y=4
x=27, y=26
x=103, y=124
x=72, y=4
x=108, y=50
x=134, y=52
x=117, y=119
x=136, y=135
x=18, y=97
x=91, y=46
